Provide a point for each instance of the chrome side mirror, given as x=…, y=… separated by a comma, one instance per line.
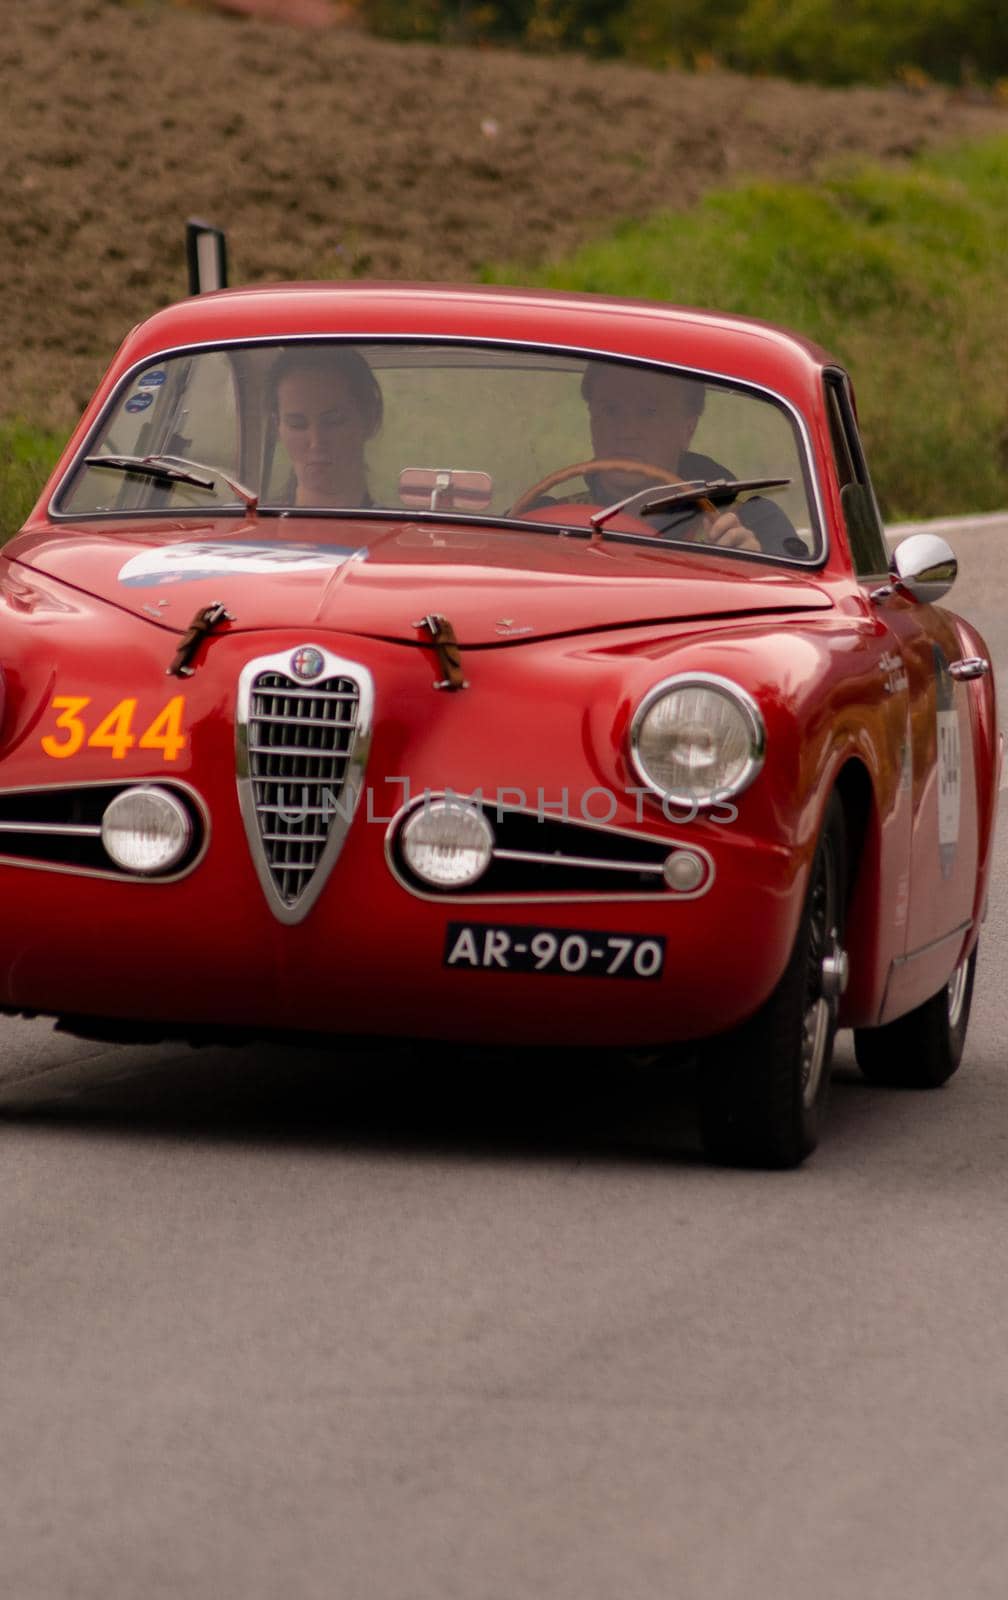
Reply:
x=922, y=567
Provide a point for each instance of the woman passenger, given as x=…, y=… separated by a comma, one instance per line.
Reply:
x=327, y=406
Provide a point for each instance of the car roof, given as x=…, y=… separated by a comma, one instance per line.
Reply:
x=718, y=344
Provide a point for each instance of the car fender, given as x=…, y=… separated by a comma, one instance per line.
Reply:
x=829, y=724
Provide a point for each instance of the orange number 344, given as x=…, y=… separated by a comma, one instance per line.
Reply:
x=115, y=731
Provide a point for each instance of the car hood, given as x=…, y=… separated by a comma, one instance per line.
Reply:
x=378, y=578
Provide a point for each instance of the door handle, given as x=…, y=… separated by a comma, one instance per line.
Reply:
x=969, y=667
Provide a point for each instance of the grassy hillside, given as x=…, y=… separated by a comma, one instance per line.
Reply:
x=901, y=273
x=27, y=456
x=333, y=154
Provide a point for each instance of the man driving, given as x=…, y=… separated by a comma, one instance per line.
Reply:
x=638, y=414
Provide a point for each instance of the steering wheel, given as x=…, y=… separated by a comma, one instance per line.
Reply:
x=580, y=469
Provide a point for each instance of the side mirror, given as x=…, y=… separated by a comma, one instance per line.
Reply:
x=206, y=256
x=922, y=567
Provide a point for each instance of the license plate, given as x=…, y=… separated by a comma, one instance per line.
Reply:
x=559, y=952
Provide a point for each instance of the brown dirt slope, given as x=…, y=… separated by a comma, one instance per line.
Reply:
x=330, y=153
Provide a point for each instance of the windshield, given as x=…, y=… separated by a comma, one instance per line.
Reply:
x=448, y=429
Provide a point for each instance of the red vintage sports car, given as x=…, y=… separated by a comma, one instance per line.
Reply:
x=490, y=665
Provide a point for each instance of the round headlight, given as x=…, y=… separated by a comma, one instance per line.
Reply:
x=146, y=830
x=697, y=739
x=447, y=843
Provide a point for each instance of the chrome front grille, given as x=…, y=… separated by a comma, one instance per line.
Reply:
x=300, y=759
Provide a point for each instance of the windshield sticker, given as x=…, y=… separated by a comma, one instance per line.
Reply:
x=190, y=563
x=139, y=402
x=949, y=777
x=151, y=380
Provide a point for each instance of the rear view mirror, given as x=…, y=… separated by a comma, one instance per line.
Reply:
x=444, y=489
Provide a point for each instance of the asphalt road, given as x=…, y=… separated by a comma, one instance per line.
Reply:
x=399, y=1333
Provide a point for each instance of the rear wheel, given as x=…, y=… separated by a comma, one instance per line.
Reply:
x=924, y=1048
x=763, y=1087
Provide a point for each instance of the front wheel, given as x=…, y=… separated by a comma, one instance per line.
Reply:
x=763, y=1087
x=924, y=1048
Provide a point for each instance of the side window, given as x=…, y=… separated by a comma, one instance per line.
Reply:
x=864, y=528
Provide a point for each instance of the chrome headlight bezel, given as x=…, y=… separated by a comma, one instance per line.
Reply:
x=742, y=702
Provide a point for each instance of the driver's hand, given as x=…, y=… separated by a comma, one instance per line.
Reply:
x=726, y=529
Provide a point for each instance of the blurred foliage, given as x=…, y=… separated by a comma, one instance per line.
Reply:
x=899, y=272
x=830, y=41
x=27, y=456
x=585, y=24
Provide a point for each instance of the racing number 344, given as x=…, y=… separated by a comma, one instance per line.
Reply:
x=114, y=731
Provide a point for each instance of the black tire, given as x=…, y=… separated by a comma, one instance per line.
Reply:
x=924, y=1048
x=763, y=1087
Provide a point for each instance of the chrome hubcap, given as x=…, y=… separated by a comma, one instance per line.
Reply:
x=820, y=1015
x=826, y=979
x=835, y=970
x=957, y=993
x=815, y=1034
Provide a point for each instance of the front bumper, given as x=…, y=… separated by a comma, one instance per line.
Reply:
x=368, y=957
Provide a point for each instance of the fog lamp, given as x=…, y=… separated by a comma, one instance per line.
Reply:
x=146, y=830
x=447, y=843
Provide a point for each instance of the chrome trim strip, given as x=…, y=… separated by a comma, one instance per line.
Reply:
x=306, y=694
x=564, y=897
x=579, y=861
x=351, y=788
x=933, y=944
x=187, y=789
x=305, y=722
x=746, y=704
x=294, y=749
x=574, y=351
x=63, y=830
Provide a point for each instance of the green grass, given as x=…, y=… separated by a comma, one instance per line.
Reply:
x=901, y=273
x=27, y=456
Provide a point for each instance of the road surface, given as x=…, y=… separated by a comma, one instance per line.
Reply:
x=402, y=1333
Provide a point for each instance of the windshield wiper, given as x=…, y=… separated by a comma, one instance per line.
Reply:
x=666, y=496
x=176, y=469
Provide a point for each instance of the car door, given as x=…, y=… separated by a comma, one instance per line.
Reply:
x=938, y=759
x=944, y=846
